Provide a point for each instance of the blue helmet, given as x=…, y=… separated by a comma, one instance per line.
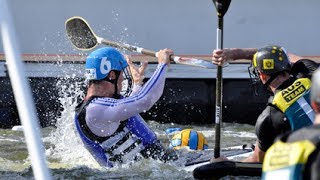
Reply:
x=101, y=61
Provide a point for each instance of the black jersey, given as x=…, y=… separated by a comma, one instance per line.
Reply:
x=271, y=123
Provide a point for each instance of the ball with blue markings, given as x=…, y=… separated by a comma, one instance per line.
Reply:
x=193, y=139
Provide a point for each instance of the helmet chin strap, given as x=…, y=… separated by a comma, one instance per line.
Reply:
x=116, y=95
x=269, y=81
x=114, y=81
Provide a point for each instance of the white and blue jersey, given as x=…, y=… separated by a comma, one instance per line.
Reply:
x=112, y=129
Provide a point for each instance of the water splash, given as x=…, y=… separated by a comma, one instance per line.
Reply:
x=115, y=31
x=66, y=148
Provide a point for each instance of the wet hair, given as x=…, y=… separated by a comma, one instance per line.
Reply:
x=91, y=82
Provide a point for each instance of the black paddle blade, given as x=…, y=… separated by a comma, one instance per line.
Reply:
x=221, y=6
x=80, y=33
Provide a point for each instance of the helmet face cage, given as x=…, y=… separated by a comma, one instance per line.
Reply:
x=254, y=78
x=127, y=82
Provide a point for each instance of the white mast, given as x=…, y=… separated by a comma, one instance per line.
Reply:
x=23, y=96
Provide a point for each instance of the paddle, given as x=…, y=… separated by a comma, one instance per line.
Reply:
x=82, y=37
x=222, y=7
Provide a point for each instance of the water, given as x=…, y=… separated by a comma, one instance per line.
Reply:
x=68, y=159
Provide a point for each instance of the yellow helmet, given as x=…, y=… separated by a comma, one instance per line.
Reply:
x=189, y=137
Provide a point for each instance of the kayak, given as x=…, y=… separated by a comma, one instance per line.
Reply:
x=227, y=168
x=194, y=159
x=202, y=168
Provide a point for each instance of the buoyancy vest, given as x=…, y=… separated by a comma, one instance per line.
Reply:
x=294, y=160
x=132, y=139
x=294, y=102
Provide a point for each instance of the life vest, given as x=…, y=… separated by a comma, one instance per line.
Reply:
x=133, y=137
x=292, y=160
x=294, y=102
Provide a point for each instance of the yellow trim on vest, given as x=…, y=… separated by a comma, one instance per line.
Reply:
x=291, y=94
x=281, y=154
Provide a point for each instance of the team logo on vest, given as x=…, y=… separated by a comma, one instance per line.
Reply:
x=296, y=89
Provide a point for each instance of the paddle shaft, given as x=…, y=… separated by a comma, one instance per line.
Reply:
x=82, y=37
x=174, y=59
x=219, y=84
x=131, y=48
